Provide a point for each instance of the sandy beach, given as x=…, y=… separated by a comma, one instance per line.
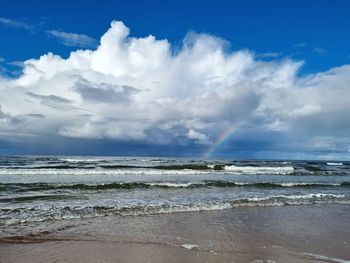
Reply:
x=306, y=233
x=174, y=131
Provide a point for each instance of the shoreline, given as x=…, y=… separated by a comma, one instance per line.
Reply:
x=305, y=233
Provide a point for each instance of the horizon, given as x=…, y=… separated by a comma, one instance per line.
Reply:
x=177, y=157
x=216, y=80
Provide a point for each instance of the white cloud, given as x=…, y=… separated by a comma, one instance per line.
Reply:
x=137, y=89
x=299, y=45
x=320, y=51
x=73, y=39
x=66, y=38
x=15, y=24
x=200, y=137
x=268, y=55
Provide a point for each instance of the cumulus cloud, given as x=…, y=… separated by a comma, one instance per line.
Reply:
x=139, y=90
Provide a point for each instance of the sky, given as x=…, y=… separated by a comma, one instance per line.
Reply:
x=211, y=79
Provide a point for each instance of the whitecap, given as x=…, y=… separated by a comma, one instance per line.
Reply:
x=335, y=164
x=260, y=169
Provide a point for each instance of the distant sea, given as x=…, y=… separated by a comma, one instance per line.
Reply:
x=47, y=188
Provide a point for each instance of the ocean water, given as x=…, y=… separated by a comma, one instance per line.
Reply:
x=47, y=188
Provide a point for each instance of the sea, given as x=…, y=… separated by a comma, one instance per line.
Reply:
x=56, y=188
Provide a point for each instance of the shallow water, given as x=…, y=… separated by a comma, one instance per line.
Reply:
x=307, y=233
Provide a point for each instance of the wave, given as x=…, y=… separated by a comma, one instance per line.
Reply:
x=260, y=169
x=18, y=199
x=172, y=170
x=55, y=166
x=142, y=170
x=24, y=187
x=321, y=173
x=313, y=168
x=100, y=172
x=79, y=165
x=335, y=164
x=82, y=160
x=193, y=167
x=34, y=214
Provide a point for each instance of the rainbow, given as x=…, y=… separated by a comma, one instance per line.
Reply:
x=219, y=141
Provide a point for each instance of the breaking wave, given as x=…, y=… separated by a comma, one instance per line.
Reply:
x=35, y=214
x=23, y=187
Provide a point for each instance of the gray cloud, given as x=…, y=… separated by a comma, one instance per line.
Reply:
x=104, y=92
x=20, y=125
x=52, y=101
x=48, y=99
x=36, y=115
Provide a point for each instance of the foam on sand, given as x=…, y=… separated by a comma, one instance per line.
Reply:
x=189, y=246
x=327, y=259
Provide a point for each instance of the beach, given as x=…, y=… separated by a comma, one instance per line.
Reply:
x=307, y=233
x=175, y=131
x=145, y=209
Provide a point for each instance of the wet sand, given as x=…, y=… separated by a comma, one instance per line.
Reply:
x=307, y=233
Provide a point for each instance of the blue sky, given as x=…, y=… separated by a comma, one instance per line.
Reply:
x=317, y=32
x=307, y=42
